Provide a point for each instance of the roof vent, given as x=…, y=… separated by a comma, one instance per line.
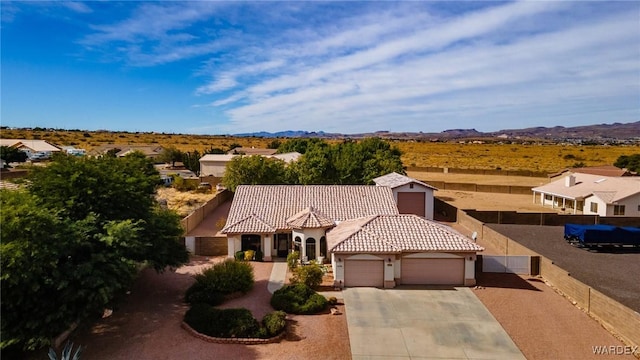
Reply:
x=570, y=181
x=600, y=180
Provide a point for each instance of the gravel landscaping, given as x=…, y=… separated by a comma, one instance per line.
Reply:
x=147, y=324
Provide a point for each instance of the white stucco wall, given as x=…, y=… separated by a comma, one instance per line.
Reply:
x=214, y=168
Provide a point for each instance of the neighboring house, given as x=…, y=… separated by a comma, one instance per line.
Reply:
x=215, y=164
x=603, y=170
x=412, y=196
x=251, y=151
x=150, y=151
x=358, y=226
x=33, y=148
x=592, y=195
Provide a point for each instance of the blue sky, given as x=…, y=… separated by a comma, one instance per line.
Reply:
x=211, y=67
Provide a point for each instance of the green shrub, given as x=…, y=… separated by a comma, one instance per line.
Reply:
x=259, y=255
x=310, y=275
x=198, y=293
x=226, y=323
x=249, y=255
x=292, y=260
x=274, y=323
x=219, y=280
x=298, y=299
x=239, y=255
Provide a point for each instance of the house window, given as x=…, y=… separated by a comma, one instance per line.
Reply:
x=410, y=186
x=594, y=207
x=548, y=197
x=618, y=209
x=251, y=242
x=323, y=246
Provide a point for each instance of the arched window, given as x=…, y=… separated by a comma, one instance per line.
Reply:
x=323, y=246
x=296, y=243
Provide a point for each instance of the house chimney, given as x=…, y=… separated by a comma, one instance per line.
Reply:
x=569, y=181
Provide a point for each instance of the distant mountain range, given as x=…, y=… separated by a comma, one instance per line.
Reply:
x=599, y=133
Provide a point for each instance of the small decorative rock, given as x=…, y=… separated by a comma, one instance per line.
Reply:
x=335, y=311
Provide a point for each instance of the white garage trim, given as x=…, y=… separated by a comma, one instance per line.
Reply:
x=432, y=256
x=363, y=273
x=432, y=271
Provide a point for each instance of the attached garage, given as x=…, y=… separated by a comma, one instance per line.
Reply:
x=411, y=203
x=363, y=273
x=432, y=271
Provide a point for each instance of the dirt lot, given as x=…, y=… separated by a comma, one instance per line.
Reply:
x=478, y=179
x=147, y=325
x=614, y=272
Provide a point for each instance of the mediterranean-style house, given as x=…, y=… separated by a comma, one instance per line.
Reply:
x=356, y=227
x=592, y=194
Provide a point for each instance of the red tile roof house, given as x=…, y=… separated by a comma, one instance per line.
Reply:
x=357, y=226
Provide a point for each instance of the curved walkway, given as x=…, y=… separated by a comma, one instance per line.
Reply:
x=278, y=276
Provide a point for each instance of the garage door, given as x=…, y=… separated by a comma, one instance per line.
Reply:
x=411, y=203
x=363, y=273
x=433, y=271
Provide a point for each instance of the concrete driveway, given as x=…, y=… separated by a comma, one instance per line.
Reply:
x=424, y=323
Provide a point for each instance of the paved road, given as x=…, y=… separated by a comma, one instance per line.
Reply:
x=423, y=323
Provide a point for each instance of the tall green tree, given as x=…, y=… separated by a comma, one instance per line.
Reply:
x=72, y=242
x=10, y=154
x=191, y=161
x=629, y=162
x=170, y=155
x=253, y=170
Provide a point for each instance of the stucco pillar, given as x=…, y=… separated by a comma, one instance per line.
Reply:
x=267, y=246
x=303, y=247
x=338, y=271
x=190, y=244
x=231, y=247
x=470, y=270
x=389, y=272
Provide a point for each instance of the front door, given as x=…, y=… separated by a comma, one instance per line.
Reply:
x=283, y=244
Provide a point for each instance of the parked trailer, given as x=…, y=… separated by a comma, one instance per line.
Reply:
x=600, y=235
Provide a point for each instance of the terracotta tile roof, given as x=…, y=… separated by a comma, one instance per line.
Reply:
x=310, y=218
x=274, y=204
x=253, y=222
x=609, y=189
x=394, y=180
x=395, y=234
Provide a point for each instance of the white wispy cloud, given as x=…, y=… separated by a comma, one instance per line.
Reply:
x=355, y=67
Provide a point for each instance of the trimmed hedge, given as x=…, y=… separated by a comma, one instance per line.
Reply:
x=220, y=280
x=210, y=321
x=274, y=322
x=234, y=323
x=298, y=299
